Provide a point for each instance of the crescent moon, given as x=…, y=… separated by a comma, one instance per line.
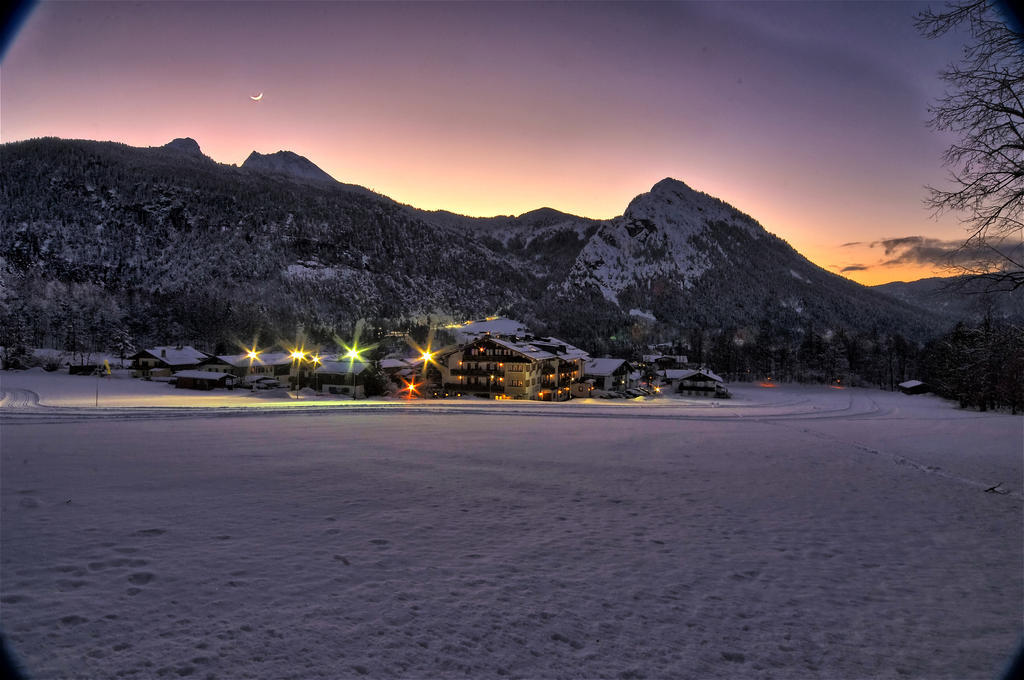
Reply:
x=257, y=97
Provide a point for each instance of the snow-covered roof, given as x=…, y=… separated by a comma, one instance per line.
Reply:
x=342, y=367
x=393, y=364
x=651, y=358
x=272, y=359
x=687, y=373
x=556, y=345
x=495, y=326
x=677, y=373
x=258, y=378
x=204, y=375
x=604, y=366
x=643, y=314
x=177, y=356
x=910, y=383
x=523, y=348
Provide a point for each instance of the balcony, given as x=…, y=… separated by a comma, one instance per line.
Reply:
x=483, y=372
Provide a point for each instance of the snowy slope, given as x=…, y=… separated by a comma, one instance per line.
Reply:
x=790, y=533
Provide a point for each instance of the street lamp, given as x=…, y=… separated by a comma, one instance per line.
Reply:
x=315, y=360
x=297, y=356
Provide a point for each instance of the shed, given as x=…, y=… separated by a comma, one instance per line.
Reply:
x=203, y=380
x=914, y=387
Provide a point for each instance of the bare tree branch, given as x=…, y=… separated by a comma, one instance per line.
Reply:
x=984, y=105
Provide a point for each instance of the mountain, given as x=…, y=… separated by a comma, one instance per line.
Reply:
x=185, y=145
x=958, y=298
x=285, y=163
x=163, y=244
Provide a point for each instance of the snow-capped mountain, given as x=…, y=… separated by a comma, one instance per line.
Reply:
x=165, y=244
x=655, y=239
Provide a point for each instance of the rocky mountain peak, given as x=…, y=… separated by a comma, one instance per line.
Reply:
x=286, y=163
x=184, y=145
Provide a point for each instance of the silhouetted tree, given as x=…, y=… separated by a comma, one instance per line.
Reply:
x=985, y=107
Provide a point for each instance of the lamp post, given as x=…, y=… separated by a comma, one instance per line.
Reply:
x=297, y=356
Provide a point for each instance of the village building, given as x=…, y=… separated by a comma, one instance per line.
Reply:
x=163, y=361
x=342, y=377
x=195, y=379
x=223, y=364
x=665, y=361
x=269, y=364
x=582, y=389
x=510, y=368
x=695, y=382
x=264, y=364
x=608, y=374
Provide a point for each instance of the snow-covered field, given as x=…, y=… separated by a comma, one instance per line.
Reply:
x=793, y=532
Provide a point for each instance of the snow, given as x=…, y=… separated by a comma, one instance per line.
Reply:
x=602, y=366
x=203, y=375
x=662, y=220
x=792, y=532
x=643, y=314
x=470, y=330
x=177, y=356
x=685, y=373
x=345, y=367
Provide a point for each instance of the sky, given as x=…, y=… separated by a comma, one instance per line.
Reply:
x=810, y=117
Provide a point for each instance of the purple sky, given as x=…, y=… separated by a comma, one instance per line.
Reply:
x=808, y=116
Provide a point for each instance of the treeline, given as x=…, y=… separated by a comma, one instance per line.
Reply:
x=979, y=366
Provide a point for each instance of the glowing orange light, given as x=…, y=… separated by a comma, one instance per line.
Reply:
x=298, y=355
x=411, y=388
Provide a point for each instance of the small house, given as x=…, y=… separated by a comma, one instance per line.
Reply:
x=164, y=361
x=611, y=375
x=203, y=380
x=342, y=377
x=914, y=387
x=697, y=382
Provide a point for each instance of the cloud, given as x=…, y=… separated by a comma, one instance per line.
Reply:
x=854, y=268
x=921, y=250
x=852, y=243
x=892, y=245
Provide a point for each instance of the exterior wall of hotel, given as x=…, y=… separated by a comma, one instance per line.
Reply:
x=510, y=373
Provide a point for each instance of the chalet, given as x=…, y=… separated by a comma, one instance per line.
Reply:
x=611, y=375
x=665, y=361
x=203, y=380
x=162, y=361
x=269, y=364
x=697, y=383
x=223, y=364
x=342, y=377
x=392, y=367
